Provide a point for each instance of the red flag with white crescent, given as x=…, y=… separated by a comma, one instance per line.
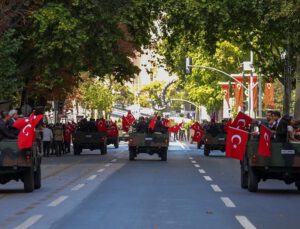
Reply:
x=236, y=142
x=125, y=124
x=196, y=126
x=130, y=118
x=264, y=148
x=101, y=125
x=197, y=136
x=153, y=122
x=112, y=131
x=241, y=121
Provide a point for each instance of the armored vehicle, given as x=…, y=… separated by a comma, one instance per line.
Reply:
x=89, y=140
x=16, y=164
x=214, y=139
x=150, y=143
x=284, y=164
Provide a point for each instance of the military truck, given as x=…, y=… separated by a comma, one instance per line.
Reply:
x=284, y=164
x=214, y=139
x=16, y=164
x=89, y=140
x=149, y=143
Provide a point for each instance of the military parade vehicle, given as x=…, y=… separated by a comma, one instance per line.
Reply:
x=149, y=143
x=89, y=140
x=16, y=164
x=283, y=164
x=214, y=139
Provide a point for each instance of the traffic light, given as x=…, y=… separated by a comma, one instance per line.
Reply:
x=188, y=64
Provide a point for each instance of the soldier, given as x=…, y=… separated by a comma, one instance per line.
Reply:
x=4, y=131
x=141, y=126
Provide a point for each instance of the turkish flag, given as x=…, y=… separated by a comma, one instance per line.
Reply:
x=269, y=96
x=125, y=124
x=239, y=95
x=166, y=122
x=197, y=136
x=101, y=125
x=175, y=129
x=130, y=118
x=264, y=148
x=153, y=122
x=225, y=89
x=112, y=131
x=241, y=121
x=236, y=142
x=196, y=126
x=21, y=123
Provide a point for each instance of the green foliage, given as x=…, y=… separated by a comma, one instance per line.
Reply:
x=9, y=46
x=151, y=94
x=122, y=95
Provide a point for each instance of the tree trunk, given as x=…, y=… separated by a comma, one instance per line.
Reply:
x=297, y=76
x=287, y=91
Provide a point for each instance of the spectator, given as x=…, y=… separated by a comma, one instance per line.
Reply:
x=58, y=137
x=291, y=129
x=47, y=138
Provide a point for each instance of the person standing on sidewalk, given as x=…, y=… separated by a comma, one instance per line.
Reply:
x=47, y=138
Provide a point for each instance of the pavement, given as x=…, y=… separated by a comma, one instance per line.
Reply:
x=109, y=191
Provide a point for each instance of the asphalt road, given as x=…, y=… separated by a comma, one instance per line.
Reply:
x=188, y=191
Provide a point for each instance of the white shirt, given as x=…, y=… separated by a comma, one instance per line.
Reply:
x=47, y=135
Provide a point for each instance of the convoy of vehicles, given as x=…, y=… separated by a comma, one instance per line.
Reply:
x=18, y=165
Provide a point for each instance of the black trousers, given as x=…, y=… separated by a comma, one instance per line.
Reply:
x=46, y=148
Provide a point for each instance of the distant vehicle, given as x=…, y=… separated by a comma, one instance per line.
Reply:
x=123, y=136
x=89, y=140
x=149, y=143
x=214, y=139
x=284, y=164
x=16, y=164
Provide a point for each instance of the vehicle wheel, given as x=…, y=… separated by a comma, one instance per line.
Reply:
x=103, y=150
x=131, y=155
x=38, y=178
x=199, y=144
x=77, y=151
x=297, y=184
x=116, y=144
x=28, y=180
x=244, y=177
x=252, y=180
x=164, y=156
x=206, y=150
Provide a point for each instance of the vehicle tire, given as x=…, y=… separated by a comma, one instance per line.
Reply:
x=199, y=144
x=103, y=150
x=28, y=180
x=116, y=144
x=164, y=156
x=77, y=150
x=206, y=150
x=244, y=177
x=38, y=178
x=131, y=155
x=297, y=184
x=252, y=180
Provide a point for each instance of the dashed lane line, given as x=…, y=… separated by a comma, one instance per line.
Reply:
x=107, y=165
x=207, y=178
x=191, y=158
x=181, y=145
x=201, y=171
x=92, y=177
x=197, y=166
x=100, y=170
x=77, y=187
x=216, y=188
x=228, y=202
x=29, y=222
x=114, y=160
x=194, y=162
x=244, y=221
x=58, y=201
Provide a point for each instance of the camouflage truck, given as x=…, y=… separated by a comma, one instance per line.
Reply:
x=89, y=140
x=149, y=143
x=16, y=164
x=284, y=164
x=214, y=139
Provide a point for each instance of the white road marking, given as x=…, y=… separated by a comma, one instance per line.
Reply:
x=197, y=166
x=114, y=160
x=228, y=203
x=92, y=177
x=29, y=222
x=77, y=187
x=245, y=222
x=181, y=145
x=216, y=188
x=201, y=171
x=191, y=158
x=100, y=170
x=208, y=178
x=107, y=165
x=194, y=162
x=58, y=201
